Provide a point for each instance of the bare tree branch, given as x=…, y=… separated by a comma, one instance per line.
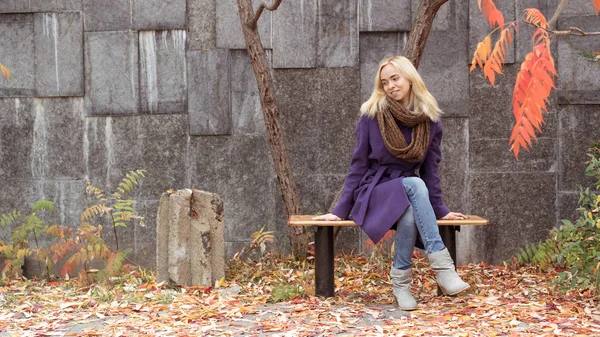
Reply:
x=559, y=9
x=264, y=5
x=420, y=29
x=572, y=31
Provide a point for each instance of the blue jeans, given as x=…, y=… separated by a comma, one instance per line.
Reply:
x=418, y=218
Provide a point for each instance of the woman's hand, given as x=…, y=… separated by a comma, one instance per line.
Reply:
x=454, y=216
x=327, y=217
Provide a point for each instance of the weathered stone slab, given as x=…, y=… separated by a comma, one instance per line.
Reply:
x=567, y=206
x=578, y=132
x=180, y=231
x=578, y=97
x=159, y=14
x=59, y=54
x=111, y=73
x=214, y=160
x=100, y=17
x=17, y=48
x=30, y=6
x=443, y=70
x=373, y=48
x=523, y=39
x=494, y=155
x=572, y=8
x=246, y=111
x=33, y=139
x=202, y=24
x=337, y=34
x=229, y=29
x=114, y=146
x=577, y=72
x=209, y=222
x=163, y=78
x=523, y=203
x=453, y=167
x=479, y=27
x=385, y=15
x=444, y=19
x=162, y=238
x=491, y=113
x=208, y=92
x=295, y=34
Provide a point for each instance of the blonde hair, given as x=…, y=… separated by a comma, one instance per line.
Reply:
x=420, y=98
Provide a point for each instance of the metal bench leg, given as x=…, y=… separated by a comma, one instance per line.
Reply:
x=448, y=234
x=324, y=285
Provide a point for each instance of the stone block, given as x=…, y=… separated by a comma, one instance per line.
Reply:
x=157, y=143
x=180, y=231
x=453, y=167
x=567, y=206
x=445, y=18
x=246, y=111
x=578, y=97
x=335, y=112
x=200, y=247
x=461, y=14
x=385, y=15
x=31, y=6
x=159, y=14
x=494, y=155
x=250, y=194
x=577, y=134
x=295, y=34
x=145, y=233
x=337, y=34
x=491, y=115
x=100, y=17
x=162, y=238
x=210, y=211
x=17, y=54
x=577, y=72
x=111, y=73
x=59, y=54
x=33, y=139
x=521, y=208
x=572, y=8
x=373, y=48
x=229, y=29
x=209, y=92
x=523, y=40
x=163, y=78
x=443, y=70
x=479, y=27
x=202, y=24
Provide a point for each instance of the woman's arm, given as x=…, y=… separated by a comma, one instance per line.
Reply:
x=358, y=167
x=430, y=174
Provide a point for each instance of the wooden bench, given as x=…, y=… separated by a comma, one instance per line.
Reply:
x=324, y=259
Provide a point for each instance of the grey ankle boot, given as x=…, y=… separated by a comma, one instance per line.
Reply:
x=401, y=280
x=446, y=275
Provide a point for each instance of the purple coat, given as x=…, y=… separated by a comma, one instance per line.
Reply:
x=373, y=189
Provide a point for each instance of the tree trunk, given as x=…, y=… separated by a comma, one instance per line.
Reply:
x=414, y=50
x=421, y=28
x=297, y=235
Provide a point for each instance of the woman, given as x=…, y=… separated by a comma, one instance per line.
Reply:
x=398, y=133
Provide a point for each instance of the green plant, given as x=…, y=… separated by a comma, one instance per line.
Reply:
x=85, y=246
x=574, y=246
x=27, y=226
x=283, y=292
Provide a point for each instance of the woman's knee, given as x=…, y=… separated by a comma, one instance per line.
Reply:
x=415, y=184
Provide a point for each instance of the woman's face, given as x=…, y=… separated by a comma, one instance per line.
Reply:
x=394, y=84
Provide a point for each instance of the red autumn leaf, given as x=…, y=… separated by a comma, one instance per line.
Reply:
x=491, y=13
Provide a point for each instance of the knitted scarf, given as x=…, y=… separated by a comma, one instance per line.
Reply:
x=394, y=139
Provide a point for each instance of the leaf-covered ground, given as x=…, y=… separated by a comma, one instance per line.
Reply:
x=502, y=302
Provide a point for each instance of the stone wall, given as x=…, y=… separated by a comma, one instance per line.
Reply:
x=101, y=89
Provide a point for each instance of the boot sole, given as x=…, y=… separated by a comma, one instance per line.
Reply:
x=454, y=293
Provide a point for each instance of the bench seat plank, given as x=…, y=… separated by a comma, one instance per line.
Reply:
x=305, y=220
